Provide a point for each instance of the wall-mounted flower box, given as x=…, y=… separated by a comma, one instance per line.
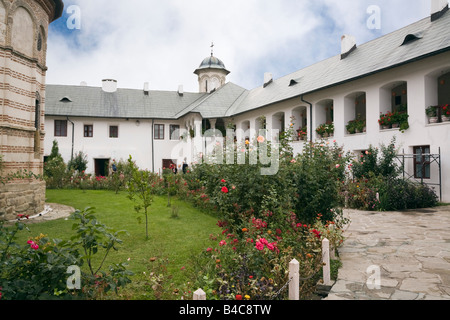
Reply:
x=432, y=114
x=325, y=130
x=356, y=126
x=437, y=114
x=395, y=119
x=445, y=113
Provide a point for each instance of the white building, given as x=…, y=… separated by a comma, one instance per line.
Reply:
x=409, y=67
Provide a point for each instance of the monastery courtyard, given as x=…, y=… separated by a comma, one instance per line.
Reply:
x=408, y=252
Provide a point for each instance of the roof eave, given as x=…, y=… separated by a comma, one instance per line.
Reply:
x=298, y=95
x=59, y=7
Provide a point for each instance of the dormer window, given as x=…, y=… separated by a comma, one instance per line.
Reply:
x=65, y=99
x=412, y=37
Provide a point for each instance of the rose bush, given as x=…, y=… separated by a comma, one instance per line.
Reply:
x=268, y=220
x=37, y=269
x=254, y=261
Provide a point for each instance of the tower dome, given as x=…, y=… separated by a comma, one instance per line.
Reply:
x=211, y=74
x=211, y=62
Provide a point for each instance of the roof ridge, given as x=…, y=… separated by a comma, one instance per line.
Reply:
x=358, y=46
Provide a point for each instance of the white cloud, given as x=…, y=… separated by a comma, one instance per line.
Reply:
x=163, y=42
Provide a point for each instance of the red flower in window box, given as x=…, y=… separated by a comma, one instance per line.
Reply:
x=445, y=112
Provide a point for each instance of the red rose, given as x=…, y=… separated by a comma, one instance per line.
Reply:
x=238, y=297
x=225, y=190
x=223, y=180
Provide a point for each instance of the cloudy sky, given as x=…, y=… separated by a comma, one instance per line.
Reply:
x=163, y=41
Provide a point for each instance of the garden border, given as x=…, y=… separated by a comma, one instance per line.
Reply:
x=294, y=276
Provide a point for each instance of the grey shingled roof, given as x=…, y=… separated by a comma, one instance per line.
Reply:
x=125, y=103
x=375, y=56
x=216, y=105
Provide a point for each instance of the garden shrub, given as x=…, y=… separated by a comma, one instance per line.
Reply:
x=78, y=163
x=376, y=184
x=376, y=162
x=268, y=220
x=37, y=269
x=361, y=193
x=253, y=262
x=400, y=194
x=317, y=174
x=55, y=168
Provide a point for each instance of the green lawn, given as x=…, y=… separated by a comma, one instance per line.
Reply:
x=175, y=239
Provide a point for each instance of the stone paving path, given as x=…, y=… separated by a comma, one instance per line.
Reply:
x=395, y=256
x=52, y=211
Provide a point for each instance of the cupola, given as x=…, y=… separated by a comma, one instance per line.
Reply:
x=211, y=74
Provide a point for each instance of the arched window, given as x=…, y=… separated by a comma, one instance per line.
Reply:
x=37, y=124
x=355, y=112
x=437, y=96
x=394, y=105
x=22, y=37
x=325, y=118
x=37, y=112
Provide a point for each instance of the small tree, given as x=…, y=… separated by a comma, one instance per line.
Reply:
x=55, y=168
x=140, y=191
x=96, y=238
x=78, y=163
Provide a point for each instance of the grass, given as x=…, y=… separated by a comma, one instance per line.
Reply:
x=172, y=239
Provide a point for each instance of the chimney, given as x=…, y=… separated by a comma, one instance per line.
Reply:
x=109, y=85
x=267, y=79
x=180, y=90
x=146, y=88
x=438, y=8
x=348, y=45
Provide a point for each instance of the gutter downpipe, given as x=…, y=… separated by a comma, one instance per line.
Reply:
x=153, y=146
x=73, y=136
x=310, y=118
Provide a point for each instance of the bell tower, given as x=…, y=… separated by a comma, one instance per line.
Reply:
x=211, y=73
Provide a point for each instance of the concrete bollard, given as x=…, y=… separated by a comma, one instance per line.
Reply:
x=199, y=295
x=326, y=261
x=294, y=276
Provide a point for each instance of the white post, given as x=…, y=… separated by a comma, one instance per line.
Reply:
x=326, y=261
x=332, y=249
x=199, y=295
x=294, y=284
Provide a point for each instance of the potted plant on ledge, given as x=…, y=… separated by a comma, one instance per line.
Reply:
x=322, y=130
x=360, y=126
x=431, y=112
x=329, y=128
x=385, y=120
x=351, y=127
x=302, y=133
x=445, y=113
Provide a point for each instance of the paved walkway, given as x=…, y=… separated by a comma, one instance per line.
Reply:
x=407, y=252
x=52, y=211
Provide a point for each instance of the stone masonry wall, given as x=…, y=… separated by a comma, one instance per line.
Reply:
x=24, y=197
